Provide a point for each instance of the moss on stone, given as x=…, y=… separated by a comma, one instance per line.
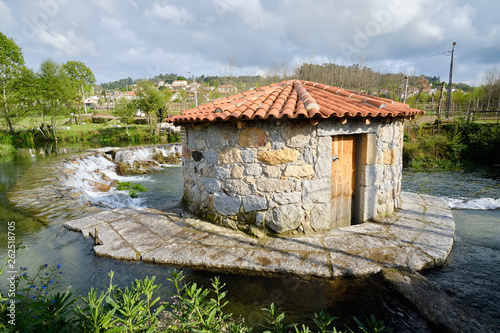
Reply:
x=173, y=158
x=137, y=168
x=212, y=217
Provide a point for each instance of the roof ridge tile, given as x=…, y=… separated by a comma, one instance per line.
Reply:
x=292, y=99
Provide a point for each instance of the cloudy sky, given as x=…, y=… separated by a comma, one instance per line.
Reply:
x=139, y=38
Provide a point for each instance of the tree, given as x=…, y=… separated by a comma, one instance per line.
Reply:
x=11, y=63
x=229, y=70
x=104, y=98
x=125, y=109
x=422, y=85
x=55, y=93
x=149, y=99
x=82, y=80
x=489, y=78
x=27, y=92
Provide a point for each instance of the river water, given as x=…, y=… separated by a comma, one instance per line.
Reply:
x=469, y=273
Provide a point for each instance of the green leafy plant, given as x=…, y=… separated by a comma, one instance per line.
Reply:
x=132, y=188
x=97, y=316
x=194, y=311
x=372, y=325
x=133, y=306
x=6, y=150
x=37, y=308
x=425, y=187
x=323, y=321
x=274, y=320
x=137, y=309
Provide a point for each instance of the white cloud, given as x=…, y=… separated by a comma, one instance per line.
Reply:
x=118, y=29
x=139, y=36
x=176, y=15
x=462, y=19
x=109, y=6
x=255, y=16
x=6, y=20
x=430, y=30
x=68, y=43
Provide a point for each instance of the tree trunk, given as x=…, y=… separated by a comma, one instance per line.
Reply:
x=79, y=114
x=6, y=110
x=54, y=130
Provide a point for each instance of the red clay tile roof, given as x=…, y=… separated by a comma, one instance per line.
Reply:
x=294, y=99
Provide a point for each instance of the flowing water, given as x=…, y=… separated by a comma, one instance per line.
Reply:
x=472, y=269
x=471, y=279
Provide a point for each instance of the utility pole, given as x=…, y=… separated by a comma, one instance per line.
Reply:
x=406, y=88
x=448, y=103
x=440, y=100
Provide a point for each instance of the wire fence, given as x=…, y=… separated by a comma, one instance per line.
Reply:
x=475, y=116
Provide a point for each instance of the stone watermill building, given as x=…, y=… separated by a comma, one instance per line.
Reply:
x=295, y=155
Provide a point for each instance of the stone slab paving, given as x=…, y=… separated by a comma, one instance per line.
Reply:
x=418, y=236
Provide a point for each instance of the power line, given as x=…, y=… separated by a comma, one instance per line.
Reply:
x=416, y=59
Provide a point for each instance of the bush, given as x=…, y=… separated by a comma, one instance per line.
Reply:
x=481, y=143
x=137, y=309
x=435, y=149
x=99, y=120
x=37, y=309
x=6, y=150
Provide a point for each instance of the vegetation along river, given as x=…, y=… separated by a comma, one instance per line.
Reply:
x=470, y=272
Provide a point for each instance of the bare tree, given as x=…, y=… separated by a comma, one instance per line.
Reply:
x=229, y=69
x=489, y=80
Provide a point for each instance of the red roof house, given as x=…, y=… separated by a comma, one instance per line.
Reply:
x=295, y=156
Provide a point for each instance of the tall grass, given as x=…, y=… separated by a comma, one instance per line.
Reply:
x=452, y=146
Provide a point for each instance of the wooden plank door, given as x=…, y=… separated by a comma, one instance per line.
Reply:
x=343, y=182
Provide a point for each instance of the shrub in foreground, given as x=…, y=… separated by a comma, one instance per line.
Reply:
x=137, y=309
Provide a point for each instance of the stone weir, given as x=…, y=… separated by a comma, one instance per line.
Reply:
x=418, y=236
x=64, y=188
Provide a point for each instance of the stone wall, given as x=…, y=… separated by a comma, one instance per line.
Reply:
x=276, y=174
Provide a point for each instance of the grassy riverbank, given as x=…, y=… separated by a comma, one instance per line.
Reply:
x=101, y=134
x=455, y=145
x=6, y=150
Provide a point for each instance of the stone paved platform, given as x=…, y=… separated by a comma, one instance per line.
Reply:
x=418, y=236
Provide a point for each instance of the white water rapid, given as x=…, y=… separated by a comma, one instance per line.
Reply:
x=94, y=176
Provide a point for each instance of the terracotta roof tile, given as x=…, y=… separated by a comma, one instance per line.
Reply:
x=292, y=99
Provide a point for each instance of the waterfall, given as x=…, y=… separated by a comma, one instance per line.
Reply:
x=93, y=175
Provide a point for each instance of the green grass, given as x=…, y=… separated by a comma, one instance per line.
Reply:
x=132, y=188
x=452, y=146
x=6, y=150
x=101, y=133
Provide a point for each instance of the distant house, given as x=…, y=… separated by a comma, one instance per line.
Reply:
x=194, y=86
x=295, y=155
x=227, y=89
x=130, y=95
x=179, y=84
x=91, y=101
